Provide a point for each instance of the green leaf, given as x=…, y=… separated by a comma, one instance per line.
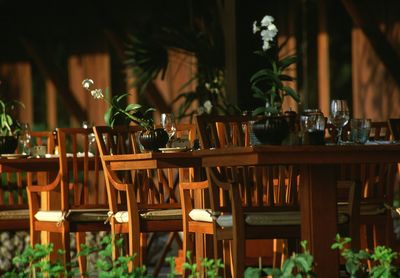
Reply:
x=132, y=107
x=252, y=272
x=285, y=77
x=287, y=61
x=289, y=91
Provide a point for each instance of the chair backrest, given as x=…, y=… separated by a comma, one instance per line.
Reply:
x=44, y=138
x=394, y=126
x=223, y=131
x=82, y=185
x=260, y=187
x=379, y=131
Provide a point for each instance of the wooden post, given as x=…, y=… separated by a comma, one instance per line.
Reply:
x=323, y=59
x=51, y=96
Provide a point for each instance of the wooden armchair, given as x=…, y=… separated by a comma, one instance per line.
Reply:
x=14, y=213
x=244, y=202
x=394, y=127
x=140, y=201
x=74, y=201
x=376, y=190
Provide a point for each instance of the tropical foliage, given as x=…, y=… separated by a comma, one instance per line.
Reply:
x=9, y=125
x=148, y=56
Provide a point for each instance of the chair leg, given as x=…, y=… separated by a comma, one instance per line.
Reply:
x=114, y=246
x=188, y=245
x=238, y=254
x=227, y=259
x=164, y=251
x=370, y=236
x=34, y=236
x=65, y=237
x=142, y=253
x=82, y=261
x=134, y=246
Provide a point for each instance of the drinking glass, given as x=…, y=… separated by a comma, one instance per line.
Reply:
x=313, y=128
x=91, y=136
x=360, y=129
x=168, y=123
x=340, y=116
x=25, y=138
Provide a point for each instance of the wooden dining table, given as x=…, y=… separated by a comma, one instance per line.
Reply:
x=317, y=192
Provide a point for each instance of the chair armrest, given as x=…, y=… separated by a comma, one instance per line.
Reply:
x=44, y=188
x=194, y=185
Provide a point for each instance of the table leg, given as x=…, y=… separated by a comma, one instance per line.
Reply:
x=50, y=201
x=319, y=216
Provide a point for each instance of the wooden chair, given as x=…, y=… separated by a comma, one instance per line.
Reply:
x=379, y=131
x=14, y=212
x=376, y=180
x=245, y=202
x=142, y=201
x=75, y=198
x=394, y=127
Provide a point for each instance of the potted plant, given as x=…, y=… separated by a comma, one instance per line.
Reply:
x=9, y=126
x=270, y=85
x=120, y=113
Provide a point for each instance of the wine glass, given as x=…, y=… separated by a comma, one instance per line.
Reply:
x=168, y=123
x=25, y=138
x=340, y=116
x=91, y=136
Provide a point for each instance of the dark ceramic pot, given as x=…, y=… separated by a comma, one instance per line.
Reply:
x=8, y=144
x=152, y=140
x=271, y=129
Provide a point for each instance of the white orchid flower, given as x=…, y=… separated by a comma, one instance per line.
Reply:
x=255, y=27
x=267, y=20
x=87, y=83
x=268, y=35
x=208, y=106
x=200, y=110
x=272, y=28
x=97, y=93
x=266, y=45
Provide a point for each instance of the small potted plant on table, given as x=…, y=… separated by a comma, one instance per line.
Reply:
x=120, y=113
x=9, y=126
x=270, y=85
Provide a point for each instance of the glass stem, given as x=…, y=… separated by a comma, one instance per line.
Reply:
x=339, y=135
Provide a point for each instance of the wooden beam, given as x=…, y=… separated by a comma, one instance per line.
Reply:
x=227, y=13
x=376, y=37
x=51, y=98
x=323, y=59
x=50, y=71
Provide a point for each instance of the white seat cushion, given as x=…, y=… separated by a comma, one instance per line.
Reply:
x=282, y=218
x=205, y=215
x=365, y=208
x=87, y=215
x=273, y=218
x=14, y=214
x=121, y=216
x=162, y=214
x=81, y=215
x=49, y=215
x=256, y=218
